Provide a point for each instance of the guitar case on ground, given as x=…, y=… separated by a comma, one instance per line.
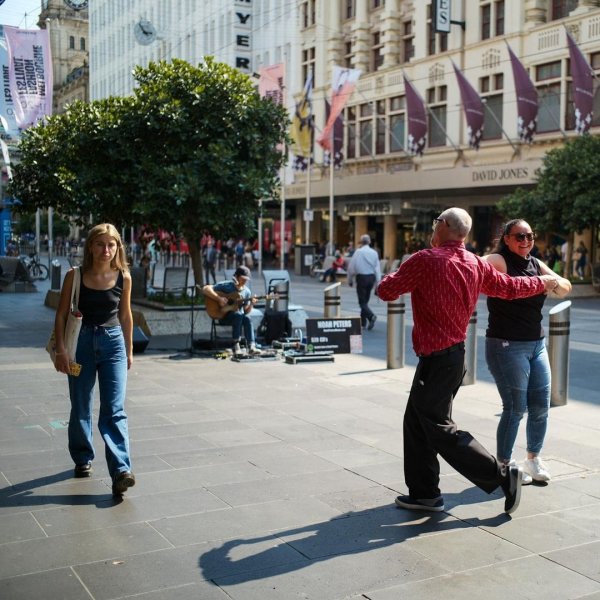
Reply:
x=274, y=326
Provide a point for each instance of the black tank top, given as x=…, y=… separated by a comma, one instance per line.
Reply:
x=517, y=320
x=101, y=307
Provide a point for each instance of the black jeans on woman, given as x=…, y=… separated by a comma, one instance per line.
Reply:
x=429, y=430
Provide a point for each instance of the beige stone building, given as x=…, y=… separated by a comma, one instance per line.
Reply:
x=381, y=189
x=67, y=23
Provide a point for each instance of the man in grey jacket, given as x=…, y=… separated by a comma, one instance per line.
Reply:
x=364, y=267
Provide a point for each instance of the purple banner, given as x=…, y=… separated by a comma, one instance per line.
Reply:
x=527, y=100
x=30, y=74
x=417, y=119
x=583, y=87
x=473, y=107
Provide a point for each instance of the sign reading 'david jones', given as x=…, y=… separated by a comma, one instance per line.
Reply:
x=341, y=336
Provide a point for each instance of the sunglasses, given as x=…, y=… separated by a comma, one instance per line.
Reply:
x=521, y=237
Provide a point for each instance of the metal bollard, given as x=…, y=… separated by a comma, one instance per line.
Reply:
x=281, y=291
x=471, y=352
x=55, y=278
x=333, y=301
x=396, y=335
x=558, y=352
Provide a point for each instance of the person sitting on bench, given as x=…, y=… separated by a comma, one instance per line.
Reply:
x=230, y=302
x=337, y=264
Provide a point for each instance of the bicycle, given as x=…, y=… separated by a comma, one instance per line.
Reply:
x=36, y=270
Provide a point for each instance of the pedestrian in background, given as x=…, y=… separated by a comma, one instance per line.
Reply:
x=209, y=262
x=515, y=350
x=580, y=259
x=104, y=350
x=364, y=267
x=444, y=283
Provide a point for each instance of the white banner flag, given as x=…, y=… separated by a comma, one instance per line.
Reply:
x=30, y=74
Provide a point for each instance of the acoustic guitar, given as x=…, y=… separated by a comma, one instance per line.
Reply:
x=234, y=302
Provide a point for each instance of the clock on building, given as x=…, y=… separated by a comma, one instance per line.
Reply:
x=77, y=4
x=144, y=31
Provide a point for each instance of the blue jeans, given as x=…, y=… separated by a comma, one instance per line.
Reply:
x=522, y=374
x=100, y=351
x=239, y=321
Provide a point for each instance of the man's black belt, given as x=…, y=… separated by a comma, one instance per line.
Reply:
x=449, y=350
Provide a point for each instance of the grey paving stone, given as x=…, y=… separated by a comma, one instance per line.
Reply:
x=190, y=591
x=533, y=577
x=21, y=558
x=57, y=583
x=19, y=527
x=582, y=559
x=256, y=520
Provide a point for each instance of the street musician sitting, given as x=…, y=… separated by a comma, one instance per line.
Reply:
x=230, y=302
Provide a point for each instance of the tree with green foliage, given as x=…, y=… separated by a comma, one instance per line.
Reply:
x=193, y=149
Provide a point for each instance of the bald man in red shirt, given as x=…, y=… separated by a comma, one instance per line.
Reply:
x=445, y=282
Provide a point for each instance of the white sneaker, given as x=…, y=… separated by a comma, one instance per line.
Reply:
x=536, y=468
x=236, y=349
x=527, y=479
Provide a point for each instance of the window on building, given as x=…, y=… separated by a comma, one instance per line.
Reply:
x=82, y=43
x=491, y=19
x=436, y=42
x=348, y=55
x=365, y=129
x=436, y=98
x=561, y=8
x=380, y=127
x=408, y=37
x=397, y=123
x=308, y=64
x=490, y=88
x=308, y=13
x=549, y=90
x=71, y=42
x=351, y=132
x=349, y=10
x=377, y=4
x=377, y=51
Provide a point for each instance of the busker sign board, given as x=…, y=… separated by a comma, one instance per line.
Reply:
x=341, y=336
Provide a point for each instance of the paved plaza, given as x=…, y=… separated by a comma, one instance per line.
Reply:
x=263, y=480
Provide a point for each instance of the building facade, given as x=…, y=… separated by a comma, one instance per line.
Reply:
x=382, y=190
x=67, y=25
x=247, y=34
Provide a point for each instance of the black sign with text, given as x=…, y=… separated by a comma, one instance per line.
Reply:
x=341, y=336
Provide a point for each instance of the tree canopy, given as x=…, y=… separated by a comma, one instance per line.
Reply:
x=566, y=196
x=193, y=149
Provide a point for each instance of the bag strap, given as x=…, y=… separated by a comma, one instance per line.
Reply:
x=75, y=289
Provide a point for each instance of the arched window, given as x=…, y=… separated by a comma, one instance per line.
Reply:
x=71, y=42
x=82, y=43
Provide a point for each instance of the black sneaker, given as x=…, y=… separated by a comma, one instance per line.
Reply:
x=511, y=486
x=122, y=482
x=372, y=322
x=84, y=470
x=432, y=505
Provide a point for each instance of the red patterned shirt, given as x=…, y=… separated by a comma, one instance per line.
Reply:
x=444, y=284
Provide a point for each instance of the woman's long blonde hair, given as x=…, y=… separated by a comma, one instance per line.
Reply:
x=119, y=261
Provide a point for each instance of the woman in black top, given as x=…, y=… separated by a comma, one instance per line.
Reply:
x=515, y=350
x=105, y=350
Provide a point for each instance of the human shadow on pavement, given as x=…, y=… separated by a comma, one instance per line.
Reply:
x=23, y=495
x=288, y=550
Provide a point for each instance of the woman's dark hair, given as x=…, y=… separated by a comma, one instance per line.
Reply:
x=500, y=244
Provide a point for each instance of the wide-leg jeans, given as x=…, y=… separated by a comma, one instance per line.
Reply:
x=522, y=373
x=429, y=430
x=100, y=352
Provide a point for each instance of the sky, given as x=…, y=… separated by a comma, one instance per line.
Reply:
x=20, y=13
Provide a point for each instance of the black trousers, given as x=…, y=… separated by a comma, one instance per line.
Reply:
x=364, y=287
x=429, y=430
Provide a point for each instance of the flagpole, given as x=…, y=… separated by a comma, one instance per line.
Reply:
x=308, y=182
x=282, y=223
x=331, y=168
